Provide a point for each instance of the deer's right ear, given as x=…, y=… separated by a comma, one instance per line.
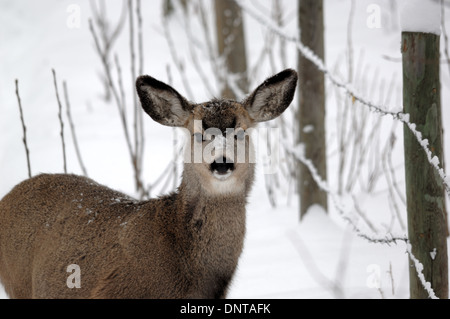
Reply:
x=163, y=103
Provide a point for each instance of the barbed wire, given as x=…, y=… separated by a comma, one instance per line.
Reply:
x=388, y=238
x=298, y=152
x=419, y=269
x=348, y=88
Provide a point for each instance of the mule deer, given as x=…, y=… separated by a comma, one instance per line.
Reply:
x=183, y=245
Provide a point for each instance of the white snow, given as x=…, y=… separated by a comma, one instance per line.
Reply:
x=433, y=254
x=321, y=257
x=308, y=129
x=421, y=16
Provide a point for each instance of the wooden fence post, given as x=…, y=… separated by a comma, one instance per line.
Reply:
x=427, y=227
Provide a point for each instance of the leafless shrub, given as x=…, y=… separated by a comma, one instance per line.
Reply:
x=112, y=72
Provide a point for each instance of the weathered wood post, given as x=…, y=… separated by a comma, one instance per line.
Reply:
x=231, y=44
x=424, y=189
x=311, y=115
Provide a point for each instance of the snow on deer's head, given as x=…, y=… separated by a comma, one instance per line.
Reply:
x=219, y=151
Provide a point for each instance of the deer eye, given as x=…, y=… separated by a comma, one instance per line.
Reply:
x=211, y=133
x=198, y=137
x=240, y=134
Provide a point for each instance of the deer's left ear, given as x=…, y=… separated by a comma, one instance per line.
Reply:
x=272, y=97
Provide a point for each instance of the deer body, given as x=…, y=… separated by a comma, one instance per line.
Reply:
x=123, y=247
x=183, y=245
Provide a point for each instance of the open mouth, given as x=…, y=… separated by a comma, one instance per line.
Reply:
x=222, y=169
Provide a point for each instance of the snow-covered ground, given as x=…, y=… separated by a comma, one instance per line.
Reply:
x=318, y=258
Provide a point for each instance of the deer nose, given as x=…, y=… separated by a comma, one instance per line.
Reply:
x=222, y=166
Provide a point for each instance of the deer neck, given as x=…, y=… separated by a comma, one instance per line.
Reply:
x=216, y=225
x=203, y=206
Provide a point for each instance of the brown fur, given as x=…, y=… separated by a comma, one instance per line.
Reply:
x=183, y=245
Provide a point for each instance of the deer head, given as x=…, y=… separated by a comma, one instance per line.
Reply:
x=219, y=147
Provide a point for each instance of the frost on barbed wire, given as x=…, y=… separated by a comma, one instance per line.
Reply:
x=388, y=238
x=394, y=112
x=349, y=217
x=419, y=268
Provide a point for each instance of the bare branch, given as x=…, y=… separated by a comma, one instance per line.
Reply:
x=140, y=151
x=119, y=103
x=107, y=36
x=24, y=128
x=387, y=238
x=61, y=122
x=176, y=60
x=382, y=110
x=133, y=75
x=72, y=130
x=196, y=63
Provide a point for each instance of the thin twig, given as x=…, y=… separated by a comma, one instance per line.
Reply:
x=72, y=130
x=140, y=151
x=133, y=78
x=195, y=61
x=387, y=238
x=378, y=109
x=278, y=17
x=176, y=60
x=140, y=37
x=61, y=122
x=24, y=128
x=350, y=41
x=138, y=121
x=349, y=102
x=362, y=214
x=390, y=177
x=107, y=70
x=120, y=103
x=211, y=52
x=391, y=276
x=107, y=36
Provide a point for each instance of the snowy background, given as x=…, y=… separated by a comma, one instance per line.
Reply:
x=320, y=257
